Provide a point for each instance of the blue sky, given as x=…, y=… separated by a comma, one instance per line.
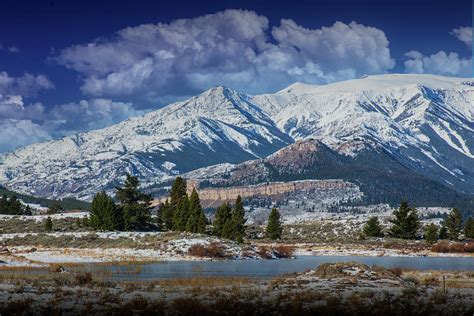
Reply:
x=71, y=66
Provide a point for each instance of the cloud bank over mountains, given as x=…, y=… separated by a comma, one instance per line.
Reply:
x=234, y=48
x=151, y=65
x=443, y=63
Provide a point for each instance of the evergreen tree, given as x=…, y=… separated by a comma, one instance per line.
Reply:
x=223, y=215
x=12, y=206
x=228, y=229
x=55, y=208
x=274, y=228
x=196, y=222
x=372, y=228
x=405, y=223
x=170, y=207
x=177, y=192
x=104, y=214
x=454, y=224
x=238, y=221
x=181, y=214
x=166, y=215
x=48, y=224
x=134, y=204
x=431, y=233
x=469, y=228
x=4, y=209
x=443, y=232
x=27, y=211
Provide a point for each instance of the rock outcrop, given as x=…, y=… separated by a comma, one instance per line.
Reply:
x=211, y=197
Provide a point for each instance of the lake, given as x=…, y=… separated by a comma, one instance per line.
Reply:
x=271, y=268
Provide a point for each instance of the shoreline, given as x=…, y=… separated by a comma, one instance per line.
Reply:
x=28, y=256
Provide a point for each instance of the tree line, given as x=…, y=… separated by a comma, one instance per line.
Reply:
x=130, y=210
x=13, y=206
x=406, y=224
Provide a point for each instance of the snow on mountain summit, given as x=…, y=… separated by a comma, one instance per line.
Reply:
x=424, y=122
x=219, y=125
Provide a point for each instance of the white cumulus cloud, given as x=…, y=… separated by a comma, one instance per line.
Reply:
x=23, y=124
x=237, y=48
x=26, y=85
x=464, y=34
x=442, y=63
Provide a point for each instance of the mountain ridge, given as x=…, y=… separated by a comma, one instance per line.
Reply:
x=425, y=123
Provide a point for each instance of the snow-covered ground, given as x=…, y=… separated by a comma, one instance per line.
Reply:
x=306, y=210
x=40, y=218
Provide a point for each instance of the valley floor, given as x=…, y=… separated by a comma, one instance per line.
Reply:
x=23, y=242
x=46, y=273
x=339, y=288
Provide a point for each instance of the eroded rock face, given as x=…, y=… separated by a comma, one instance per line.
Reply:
x=211, y=197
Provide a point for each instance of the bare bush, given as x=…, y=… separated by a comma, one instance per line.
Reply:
x=213, y=250
x=283, y=251
x=453, y=247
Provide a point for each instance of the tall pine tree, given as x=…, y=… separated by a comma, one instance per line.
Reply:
x=104, y=214
x=469, y=228
x=406, y=222
x=197, y=220
x=274, y=228
x=135, y=204
x=431, y=233
x=169, y=209
x=181, y=214
x=238, y=221
x=454, y=224
x=372, y=228
x=223, y=215
x=166, y=215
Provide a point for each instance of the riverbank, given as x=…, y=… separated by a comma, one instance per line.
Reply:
x=339, y=288
x=33, y=249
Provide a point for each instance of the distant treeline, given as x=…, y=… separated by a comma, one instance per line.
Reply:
x=66, y=204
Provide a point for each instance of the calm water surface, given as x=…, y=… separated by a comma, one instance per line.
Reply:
x=271, y=268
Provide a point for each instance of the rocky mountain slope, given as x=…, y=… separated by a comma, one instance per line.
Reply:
x=420, y=126
x=217, y=126
x=380, y=177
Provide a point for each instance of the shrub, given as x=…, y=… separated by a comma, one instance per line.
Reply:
x=397, y=271
x=83, y=278
x=213, y=250
x=456, y=247
x=264, y=252
x=283, y=251
x=431, y=282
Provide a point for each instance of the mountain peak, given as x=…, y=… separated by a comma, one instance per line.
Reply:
x=298, y=88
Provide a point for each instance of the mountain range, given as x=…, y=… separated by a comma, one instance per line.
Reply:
x=378, y=131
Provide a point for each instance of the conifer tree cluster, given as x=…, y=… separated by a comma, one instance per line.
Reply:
x=13, y=206
x=405, y=223
x=274, y=228
x=469, y=228
x=453, y=224
x=130, y=213
x=431, y=233
x=372, y=228
x=182, y=212
x=229, y=222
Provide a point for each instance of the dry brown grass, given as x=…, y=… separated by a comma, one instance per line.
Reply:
x=213, y=250
x=264, y=252
x=284, y=251
x=453, y=247
x=202, y=281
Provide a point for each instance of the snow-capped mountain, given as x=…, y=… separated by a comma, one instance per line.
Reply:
x=217, y=126
x=424, y=123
